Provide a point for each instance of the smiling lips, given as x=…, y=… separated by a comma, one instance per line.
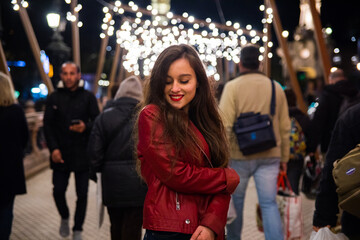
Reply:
x=176, y=98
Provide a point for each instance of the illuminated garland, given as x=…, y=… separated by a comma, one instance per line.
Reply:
x=144, y=39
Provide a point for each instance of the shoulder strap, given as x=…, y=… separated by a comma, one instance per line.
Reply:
x=120, y=126
x=273, y=103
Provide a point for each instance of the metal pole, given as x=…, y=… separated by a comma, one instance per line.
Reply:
x=320, y=42
x=75, y=34
x=34, y=46
x=284, y=47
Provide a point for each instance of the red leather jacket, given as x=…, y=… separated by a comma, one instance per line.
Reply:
x=189, y=193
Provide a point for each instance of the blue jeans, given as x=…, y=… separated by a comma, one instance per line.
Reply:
x=265, y=172
x=159, y=235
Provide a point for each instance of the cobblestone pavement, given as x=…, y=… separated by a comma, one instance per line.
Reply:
x=36, y=217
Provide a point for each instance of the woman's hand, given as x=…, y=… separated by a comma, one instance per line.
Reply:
x=203, y=233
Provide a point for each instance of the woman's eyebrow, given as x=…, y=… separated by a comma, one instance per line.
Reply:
x=181, y=75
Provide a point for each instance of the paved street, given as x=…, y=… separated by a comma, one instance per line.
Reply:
x=36, y=218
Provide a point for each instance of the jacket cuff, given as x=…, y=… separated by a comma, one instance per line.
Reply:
x=232, y=180
x=211, y=221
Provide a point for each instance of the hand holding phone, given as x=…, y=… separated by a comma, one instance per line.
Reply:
x=75, y=121
x=77, y=125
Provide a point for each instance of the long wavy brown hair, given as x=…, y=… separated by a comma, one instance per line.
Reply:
x=203, y=110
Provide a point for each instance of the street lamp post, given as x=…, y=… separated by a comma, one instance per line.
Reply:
x=59, y=52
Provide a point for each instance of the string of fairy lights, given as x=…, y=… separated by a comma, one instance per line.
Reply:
x=144, y=33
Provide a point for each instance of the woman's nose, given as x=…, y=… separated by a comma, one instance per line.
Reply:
x=175, y=87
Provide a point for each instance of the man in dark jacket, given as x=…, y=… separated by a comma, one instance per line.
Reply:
x=345, y=137
x=327, y=112
x=111, y=151
x=69, y=115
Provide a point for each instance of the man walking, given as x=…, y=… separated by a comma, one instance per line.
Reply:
x=251, y=92
x=69, y=115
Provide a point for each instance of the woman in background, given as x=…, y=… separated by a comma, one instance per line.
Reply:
x=111, y=149
x=13, y=139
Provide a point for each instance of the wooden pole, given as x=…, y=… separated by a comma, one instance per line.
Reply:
x=220, y=69
x=3, y=64
x=234, y=72
x=226, y=69
x=267, y=26
x=320, y=42
x=75, y=34
x=284, y=47
x=100, y=66
x=115, y=63
x=120, y=75
x=34, y=46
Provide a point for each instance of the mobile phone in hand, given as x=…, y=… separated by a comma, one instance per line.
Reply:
x=75, y=121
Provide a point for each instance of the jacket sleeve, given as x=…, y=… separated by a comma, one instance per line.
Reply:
x=49, y=121
x=326, y=204
x=96, y=146
x=284, y=125
x=93, y=112
x=216, y=213
x=181, y=176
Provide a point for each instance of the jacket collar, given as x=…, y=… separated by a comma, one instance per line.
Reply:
x=249, y=72
x=80, y=84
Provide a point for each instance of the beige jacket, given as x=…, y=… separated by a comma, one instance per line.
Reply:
x=251, y=92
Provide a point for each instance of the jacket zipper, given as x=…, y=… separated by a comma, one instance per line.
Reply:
x=177, y=201
x=176, y=194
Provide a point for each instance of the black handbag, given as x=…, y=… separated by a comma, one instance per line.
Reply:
x=254, y=131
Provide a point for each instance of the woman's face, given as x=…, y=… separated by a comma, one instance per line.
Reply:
x=181, y=84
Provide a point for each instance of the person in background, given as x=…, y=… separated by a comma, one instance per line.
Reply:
x=183, y=152
x=14, y=136
x=346, y=136
x=109, y=102
x=111, y=151
x=299, y=133
x=69, y=115
x=328, y=111
x=251, y=92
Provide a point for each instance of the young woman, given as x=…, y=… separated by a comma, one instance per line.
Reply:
x=183, y=152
